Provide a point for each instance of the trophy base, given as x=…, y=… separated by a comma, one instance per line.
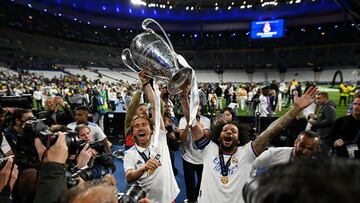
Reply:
x=181, y=78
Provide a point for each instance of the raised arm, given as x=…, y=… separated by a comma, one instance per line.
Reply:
x=196, y=131
x=260, y=143
x=151, y=96
x=131, y=111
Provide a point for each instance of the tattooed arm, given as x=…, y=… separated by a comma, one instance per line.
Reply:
x=260, y=143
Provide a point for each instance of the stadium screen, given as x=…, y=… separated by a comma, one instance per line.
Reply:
x=267, y=29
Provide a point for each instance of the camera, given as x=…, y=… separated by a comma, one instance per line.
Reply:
x=97, y=146
x=132, y=195
x=84, y=173
x=169, y=129
x=26, y=155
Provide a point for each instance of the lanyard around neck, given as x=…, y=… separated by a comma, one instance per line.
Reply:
x=224, y=167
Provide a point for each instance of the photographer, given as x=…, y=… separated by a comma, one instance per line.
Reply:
x=93, y=154
x=81, y=116
x=19, y=118
x=54, y=116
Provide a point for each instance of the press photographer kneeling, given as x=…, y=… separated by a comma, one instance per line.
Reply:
x=92, y=155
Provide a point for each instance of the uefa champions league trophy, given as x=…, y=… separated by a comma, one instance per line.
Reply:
x=150, y=53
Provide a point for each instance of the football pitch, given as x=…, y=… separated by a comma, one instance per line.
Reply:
x=334, y=95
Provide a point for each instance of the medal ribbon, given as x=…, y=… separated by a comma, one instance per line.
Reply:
x=143, y=155
x=224, y=167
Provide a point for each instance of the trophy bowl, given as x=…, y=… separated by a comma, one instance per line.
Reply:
x=149, y=52
x=179, y=80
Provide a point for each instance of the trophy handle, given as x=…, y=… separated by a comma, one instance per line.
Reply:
x=127, y=60
x=144, y=25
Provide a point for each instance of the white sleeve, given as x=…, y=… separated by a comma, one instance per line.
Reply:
x=162, y=135
x=71, y=126
x=263, y=160
x=99, y=134
x=250, y=152
x=129, y=161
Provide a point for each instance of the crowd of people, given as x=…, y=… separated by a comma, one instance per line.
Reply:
x=63, y=157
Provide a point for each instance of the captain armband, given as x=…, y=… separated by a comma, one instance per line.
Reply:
x=201, y=143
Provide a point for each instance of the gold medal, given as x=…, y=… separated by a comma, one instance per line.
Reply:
x=224, y=179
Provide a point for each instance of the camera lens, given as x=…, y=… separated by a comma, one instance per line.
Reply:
x=73, y=143
x=133, y=195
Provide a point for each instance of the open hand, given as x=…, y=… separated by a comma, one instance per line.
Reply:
x=306, y=99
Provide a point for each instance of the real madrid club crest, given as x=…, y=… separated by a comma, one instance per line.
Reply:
x=234, y=160
x=224, y=180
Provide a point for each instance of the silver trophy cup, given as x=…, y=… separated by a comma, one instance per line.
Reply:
x=150, y=53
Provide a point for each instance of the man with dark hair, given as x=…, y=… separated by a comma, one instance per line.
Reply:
x=346, y=131
x=309, y=181
x=323, y=124
x=226, y=165
x=306, y=145
x=19, y=118
x=81, y=117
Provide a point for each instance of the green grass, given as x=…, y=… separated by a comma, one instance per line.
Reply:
x=334, y=96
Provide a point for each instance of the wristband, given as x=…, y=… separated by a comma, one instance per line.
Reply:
x=144, y=85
